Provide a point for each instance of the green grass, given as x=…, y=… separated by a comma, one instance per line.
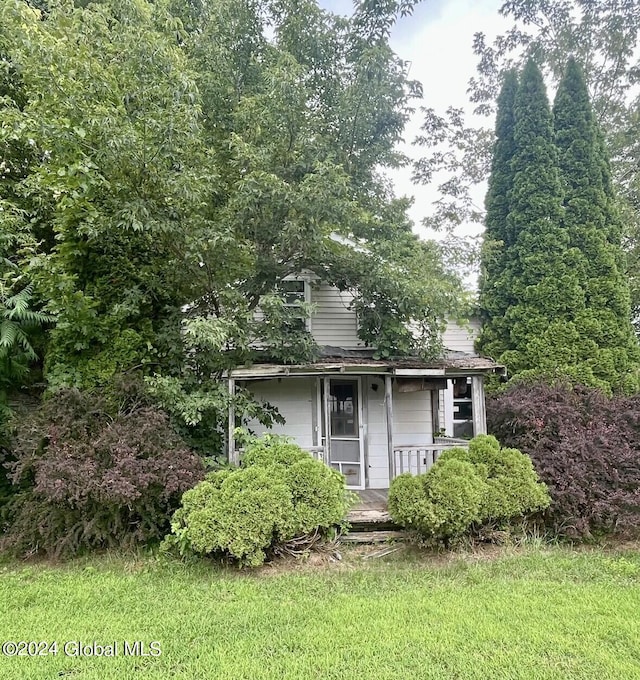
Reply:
x=550, y=613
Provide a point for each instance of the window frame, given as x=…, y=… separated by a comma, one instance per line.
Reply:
x=459, y=401
x=306, y=296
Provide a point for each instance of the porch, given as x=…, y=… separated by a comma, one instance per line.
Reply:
x=371, y=420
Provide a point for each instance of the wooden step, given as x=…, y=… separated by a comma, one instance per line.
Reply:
x=369, y=516
x=373, y=536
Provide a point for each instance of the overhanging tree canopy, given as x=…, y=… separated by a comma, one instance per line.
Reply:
x=184, y=163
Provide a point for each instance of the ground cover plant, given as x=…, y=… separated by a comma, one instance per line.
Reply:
x=467, y=489
x=543, y=614
x=586, y=449
x=280, y=496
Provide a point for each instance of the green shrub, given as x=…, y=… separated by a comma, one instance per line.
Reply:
x=442, y=503
x=318, y=494
x=240, y=515
x=280, y=493
x=466, y=488
x=408, y=503
x=456, y=492
x=269, y=449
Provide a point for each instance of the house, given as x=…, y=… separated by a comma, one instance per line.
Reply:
x=371, y=419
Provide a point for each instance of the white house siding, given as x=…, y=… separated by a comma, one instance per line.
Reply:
x=412, y=418
x=375, y=433
x=411, y=426
x=460, y=338
x=333, y=323
x=295, y=399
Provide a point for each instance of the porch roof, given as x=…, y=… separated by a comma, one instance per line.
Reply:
x=361, y=361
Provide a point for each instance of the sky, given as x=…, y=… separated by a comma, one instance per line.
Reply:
x=437, y=40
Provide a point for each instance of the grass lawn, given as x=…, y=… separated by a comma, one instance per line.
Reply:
x=548, y=613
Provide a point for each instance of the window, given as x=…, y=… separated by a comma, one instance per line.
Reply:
x=462, y=408
x=344, y=412
x=295, y=292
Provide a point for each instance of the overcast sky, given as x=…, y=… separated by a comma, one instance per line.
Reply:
x=437, y=40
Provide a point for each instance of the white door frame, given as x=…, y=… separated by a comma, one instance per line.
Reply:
x=324, y=421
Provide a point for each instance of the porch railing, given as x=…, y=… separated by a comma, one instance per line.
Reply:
x=316, y=452
x=418, y=458
x=413, y=458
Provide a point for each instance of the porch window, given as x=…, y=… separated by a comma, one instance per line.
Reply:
x=462, y=408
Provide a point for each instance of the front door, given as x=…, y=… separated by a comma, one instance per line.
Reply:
x=344, y=412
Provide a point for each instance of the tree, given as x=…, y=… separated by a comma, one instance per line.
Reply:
x=602, y=35
x=184, y=164
x=541, y=278
x=536, y=333
x=119, y=170
x=20, y=318
x=497, y=249
x=558, y=305
x=593, y=227
x=331, y=100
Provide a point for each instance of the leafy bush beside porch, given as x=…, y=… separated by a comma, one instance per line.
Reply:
x=467, y=488
x=94, y=471
x=586, y=448
x=279, y=495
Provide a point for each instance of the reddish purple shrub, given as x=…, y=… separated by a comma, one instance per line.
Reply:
x=95, y=480
x=584, y=446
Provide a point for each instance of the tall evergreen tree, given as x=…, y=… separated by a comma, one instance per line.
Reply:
x=541, y=277
x=498, y=244
x=609, y=345
x=556, y=301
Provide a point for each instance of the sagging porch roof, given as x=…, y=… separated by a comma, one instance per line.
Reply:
x=361, y=361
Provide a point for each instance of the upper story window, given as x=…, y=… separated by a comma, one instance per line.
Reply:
x=295, y=292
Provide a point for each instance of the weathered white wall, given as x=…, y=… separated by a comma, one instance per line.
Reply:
x=333, y=323
x=460, y=338
x=411, y=425
x=294, y=398
x=375, y=432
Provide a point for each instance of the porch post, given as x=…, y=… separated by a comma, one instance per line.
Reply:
x=233, y=458
x=388, y=401
x=327, y=420
x=435, y=413
x=478, y=405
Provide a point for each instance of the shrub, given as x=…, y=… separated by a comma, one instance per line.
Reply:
x=455, y=490
x=586, y=448
x=466, y=488
x=318, y=494
x=278, y=495
x=270, y=449
x=512, y=483
x=239, y=513
x=93, y=479
x=408, y=503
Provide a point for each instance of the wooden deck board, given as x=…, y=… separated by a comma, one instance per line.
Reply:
x=372, y=511
x=373, y=499
x=376, y=536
